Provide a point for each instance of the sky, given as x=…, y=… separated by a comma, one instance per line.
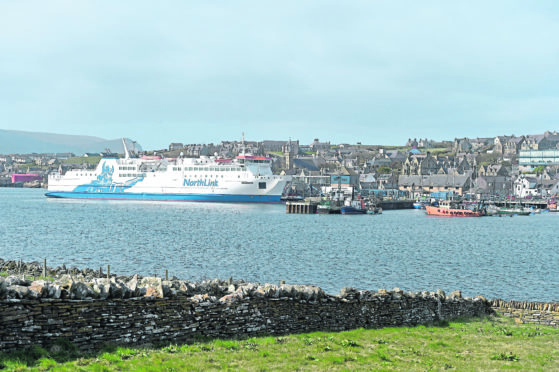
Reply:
x=375, y=72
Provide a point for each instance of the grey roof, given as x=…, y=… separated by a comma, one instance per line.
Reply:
x=306, y=163
x=434, y=180
x=536, y=137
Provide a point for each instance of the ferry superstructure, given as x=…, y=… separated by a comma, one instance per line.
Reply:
x=244, y=179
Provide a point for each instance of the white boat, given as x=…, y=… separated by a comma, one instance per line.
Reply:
x=244, y=179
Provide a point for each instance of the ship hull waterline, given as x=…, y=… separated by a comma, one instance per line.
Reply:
x=216, y=198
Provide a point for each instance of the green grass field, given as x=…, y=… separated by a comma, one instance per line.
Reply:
x=489, y=344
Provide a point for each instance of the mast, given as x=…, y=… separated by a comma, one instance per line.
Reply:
x=243, y=148
x=126, y=153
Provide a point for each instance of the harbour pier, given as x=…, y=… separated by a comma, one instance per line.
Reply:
x=309, y=206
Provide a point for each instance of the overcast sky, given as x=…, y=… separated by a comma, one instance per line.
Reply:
x=371, y=71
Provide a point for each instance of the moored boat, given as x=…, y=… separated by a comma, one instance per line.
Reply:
x=451, y=209
x=354, y=207
x=244, y=179
x=514, y=211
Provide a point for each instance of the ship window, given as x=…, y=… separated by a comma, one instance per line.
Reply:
x=261, y=185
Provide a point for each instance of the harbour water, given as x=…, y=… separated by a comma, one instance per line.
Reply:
x=510, y=257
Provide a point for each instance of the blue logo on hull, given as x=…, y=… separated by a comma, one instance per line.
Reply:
x=200, y=183
x=104, y=182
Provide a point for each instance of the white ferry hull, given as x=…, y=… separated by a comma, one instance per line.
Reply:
x=186, y=180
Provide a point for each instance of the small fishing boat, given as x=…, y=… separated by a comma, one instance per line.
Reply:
x=514, y=211
x=374, y=210
x=354, y=207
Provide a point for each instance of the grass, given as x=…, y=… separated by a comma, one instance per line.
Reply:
x=31, y=277
x=92, y=160
x=489, y=344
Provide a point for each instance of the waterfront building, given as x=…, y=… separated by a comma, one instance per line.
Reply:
x=492, y=186
x=529, y=159
x=527, y=187
x=417, y=186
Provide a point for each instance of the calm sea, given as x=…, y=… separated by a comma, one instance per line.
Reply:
x=510, y=257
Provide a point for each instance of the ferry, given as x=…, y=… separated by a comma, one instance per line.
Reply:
x=244, y=179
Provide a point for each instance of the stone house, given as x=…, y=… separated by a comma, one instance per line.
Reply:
x=175, y=146
x=462, y=145
x=379, y=161
x=479, y=144
x=420, y=165
x=280, y=146
x=367, y=181
x=527, y=186
x=417, y=186
x=425, y=143
x=309, y=163
x=554, y=188
x=548, y=140
x=492, y=170
x=387, y=182
x=532, y=142
x=508, y=145
x=412, y=143
x=316, y=146
x=513, y=146
x=396, y=156
x=487, y=186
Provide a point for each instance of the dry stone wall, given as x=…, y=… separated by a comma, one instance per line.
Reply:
x=528, y=312
x=91, y=312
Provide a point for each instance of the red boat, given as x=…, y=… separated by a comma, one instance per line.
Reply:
x=447, y=209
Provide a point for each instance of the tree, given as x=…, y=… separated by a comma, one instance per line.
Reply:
x=539, y=169
x=385, y=170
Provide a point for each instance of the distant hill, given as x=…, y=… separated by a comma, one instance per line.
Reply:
x=19, y=142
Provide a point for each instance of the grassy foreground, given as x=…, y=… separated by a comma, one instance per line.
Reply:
x=489, y=344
